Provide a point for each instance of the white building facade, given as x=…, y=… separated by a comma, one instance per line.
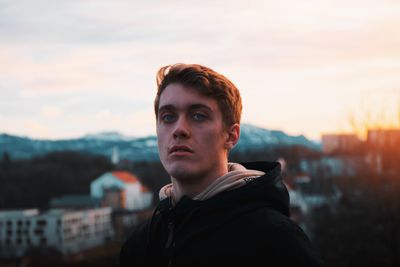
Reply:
x=134, y=195
x=65, y=231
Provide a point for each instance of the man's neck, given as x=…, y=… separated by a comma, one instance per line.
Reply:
x=195, y=186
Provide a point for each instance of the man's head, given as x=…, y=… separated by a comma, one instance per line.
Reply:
x=198, y=115
x=208, y=83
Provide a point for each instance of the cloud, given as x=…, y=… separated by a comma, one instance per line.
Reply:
x=90, y=62
x=51, y=112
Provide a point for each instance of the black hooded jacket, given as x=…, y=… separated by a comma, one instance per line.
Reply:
x=247, y=226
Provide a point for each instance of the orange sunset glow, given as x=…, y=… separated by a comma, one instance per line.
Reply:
x=304, y=67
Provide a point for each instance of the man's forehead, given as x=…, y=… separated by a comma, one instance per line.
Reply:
x=176, y=96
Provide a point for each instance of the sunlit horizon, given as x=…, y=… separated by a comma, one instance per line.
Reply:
x=72, y=68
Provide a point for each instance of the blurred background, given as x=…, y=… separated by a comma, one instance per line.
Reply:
x=79, y=166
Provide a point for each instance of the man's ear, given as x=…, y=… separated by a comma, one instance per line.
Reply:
x=233, y=135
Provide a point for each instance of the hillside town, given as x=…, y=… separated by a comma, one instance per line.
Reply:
x=74, y=225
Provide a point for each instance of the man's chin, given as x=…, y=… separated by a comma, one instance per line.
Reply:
x=181, y=171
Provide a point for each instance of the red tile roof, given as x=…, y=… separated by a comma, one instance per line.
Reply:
x=125, y=176
x=144, y=189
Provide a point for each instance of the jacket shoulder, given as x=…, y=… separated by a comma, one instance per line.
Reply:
x=287, y=241
x=267, y=233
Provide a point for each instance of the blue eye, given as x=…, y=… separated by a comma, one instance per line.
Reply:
x=199, y=117
x=168, y=118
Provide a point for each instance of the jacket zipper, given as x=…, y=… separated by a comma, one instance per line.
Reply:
x=170, y=234
x=170, y=239
x=169, y=245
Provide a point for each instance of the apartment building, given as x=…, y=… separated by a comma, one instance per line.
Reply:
x=340, y=142
x=65, y=231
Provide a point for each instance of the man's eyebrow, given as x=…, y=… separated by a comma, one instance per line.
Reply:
x=191, y=107
x=166, y=107
x=200, y=106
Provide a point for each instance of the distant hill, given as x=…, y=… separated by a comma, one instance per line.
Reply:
x=253, y=137
x=139, y=149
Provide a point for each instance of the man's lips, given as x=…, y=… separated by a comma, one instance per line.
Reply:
x=178, y=149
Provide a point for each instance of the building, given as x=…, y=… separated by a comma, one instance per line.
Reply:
x=115, y=155
x=64, y=231
x=74, y=202
x=379, y=138
x=121, y=189
x=332, y=166
x=383, y=150
x=340, y=142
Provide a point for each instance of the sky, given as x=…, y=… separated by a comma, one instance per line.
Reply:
x=77, y=67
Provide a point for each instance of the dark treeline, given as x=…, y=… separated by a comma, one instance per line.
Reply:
x=32, y=183
x=362, y=229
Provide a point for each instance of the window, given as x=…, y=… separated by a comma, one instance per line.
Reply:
x=43, y=241
x=38, y=231
x=41, y=222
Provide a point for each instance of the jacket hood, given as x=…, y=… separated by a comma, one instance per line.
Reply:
x=269, y=188
x=237, y=176
x=265, y=191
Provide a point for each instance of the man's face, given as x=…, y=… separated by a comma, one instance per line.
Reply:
x=191, y=134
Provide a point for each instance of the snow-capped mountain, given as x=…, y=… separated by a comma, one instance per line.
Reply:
x=108, y=136
x=253, y=137
x=139, y=149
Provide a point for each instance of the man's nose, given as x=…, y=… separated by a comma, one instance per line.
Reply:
x=182, y=129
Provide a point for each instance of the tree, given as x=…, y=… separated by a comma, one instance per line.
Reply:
x=364, y=229
x=371, y=116
x=31, y=183
x=5, y=161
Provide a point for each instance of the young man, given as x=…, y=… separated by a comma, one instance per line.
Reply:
x=214, y=213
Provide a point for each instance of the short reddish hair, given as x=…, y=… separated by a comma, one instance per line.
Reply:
x=206, y=81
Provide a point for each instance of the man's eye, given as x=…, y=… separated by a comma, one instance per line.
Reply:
x=168, y=118
x=199, y=117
